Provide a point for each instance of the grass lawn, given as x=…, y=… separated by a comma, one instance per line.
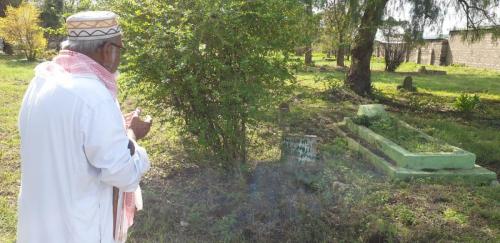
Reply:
x=14, y=77
x=339, y=199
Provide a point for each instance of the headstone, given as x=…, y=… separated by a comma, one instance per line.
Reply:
x=299, y=149
x=407, y=85
x=422, y=69
x=284, y=107
x=371, y=110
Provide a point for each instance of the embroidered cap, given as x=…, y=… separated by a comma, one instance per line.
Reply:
x=92, y=25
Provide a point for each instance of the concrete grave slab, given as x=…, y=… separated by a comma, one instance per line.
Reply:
x=476, y=175
x=457, y=159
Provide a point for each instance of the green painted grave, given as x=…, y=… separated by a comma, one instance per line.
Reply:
x=454, y=164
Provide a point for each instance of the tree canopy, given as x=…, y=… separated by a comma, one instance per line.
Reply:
x=21, y=27
x=216, y=64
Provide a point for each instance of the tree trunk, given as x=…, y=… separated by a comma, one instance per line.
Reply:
x=359, y=79
x=308, y=54
x=340, y=56
x=7, y=48
x=340, y=52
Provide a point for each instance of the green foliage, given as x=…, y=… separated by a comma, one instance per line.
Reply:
x=363, y=120
x=21, y=27
x=49, y=54
x=452, y=215
x=216, y=64
x=340, y=19
x=381, y=230
x=398, y=40
x=55, y=12
x=405, y=215
x=467, y=103
x=51, y=11
x=5, y=3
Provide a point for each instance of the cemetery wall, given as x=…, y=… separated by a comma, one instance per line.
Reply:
x=484, y=53
x=432, y=52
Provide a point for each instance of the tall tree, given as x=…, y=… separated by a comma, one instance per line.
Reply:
x=423, y=12
x=359, y=79
x=397, y=40
x=340, y=17
x=21, y=26
x=310, y=27
x=7, y=47
x=51, y=13
x=308, y=5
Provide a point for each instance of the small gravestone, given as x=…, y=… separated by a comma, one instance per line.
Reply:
x=422, y=69
x=284, y=107
x=407, y=85
x=371, y=110
x=299, y=149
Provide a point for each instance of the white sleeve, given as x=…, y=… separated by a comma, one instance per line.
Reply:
x=106, y=147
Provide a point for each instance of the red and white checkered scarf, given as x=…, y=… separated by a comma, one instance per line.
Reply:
x=77, y=63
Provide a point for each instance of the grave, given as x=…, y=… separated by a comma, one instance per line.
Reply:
x=407, y=85
x=299, y=149
x=439, y=162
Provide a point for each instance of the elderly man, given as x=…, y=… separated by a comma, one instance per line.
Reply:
x=75, y=144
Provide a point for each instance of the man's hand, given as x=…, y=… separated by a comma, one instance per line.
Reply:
x=136, y=127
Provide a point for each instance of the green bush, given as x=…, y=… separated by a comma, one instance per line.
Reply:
x=216, y=64
x=467, y=103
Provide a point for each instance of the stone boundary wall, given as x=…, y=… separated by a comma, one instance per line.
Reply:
x=433, y=52
x=484, y=53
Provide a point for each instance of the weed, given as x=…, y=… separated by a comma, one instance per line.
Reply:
x=451, y=215
x=405, y=215
x=467, y=103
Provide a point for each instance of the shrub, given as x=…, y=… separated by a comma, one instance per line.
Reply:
x=218, y=65
x=467, y=103
x=49, y=54
x=21, y=27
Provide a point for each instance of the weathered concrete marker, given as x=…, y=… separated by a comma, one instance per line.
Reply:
x=299, y=149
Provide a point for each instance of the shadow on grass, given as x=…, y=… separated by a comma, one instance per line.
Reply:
x=452, y=83
x=271, y=203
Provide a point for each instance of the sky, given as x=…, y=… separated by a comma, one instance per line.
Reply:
x=453, y=18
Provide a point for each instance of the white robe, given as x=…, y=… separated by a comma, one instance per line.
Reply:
x=73, y=151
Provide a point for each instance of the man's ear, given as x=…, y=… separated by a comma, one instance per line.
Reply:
x=106, y=51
